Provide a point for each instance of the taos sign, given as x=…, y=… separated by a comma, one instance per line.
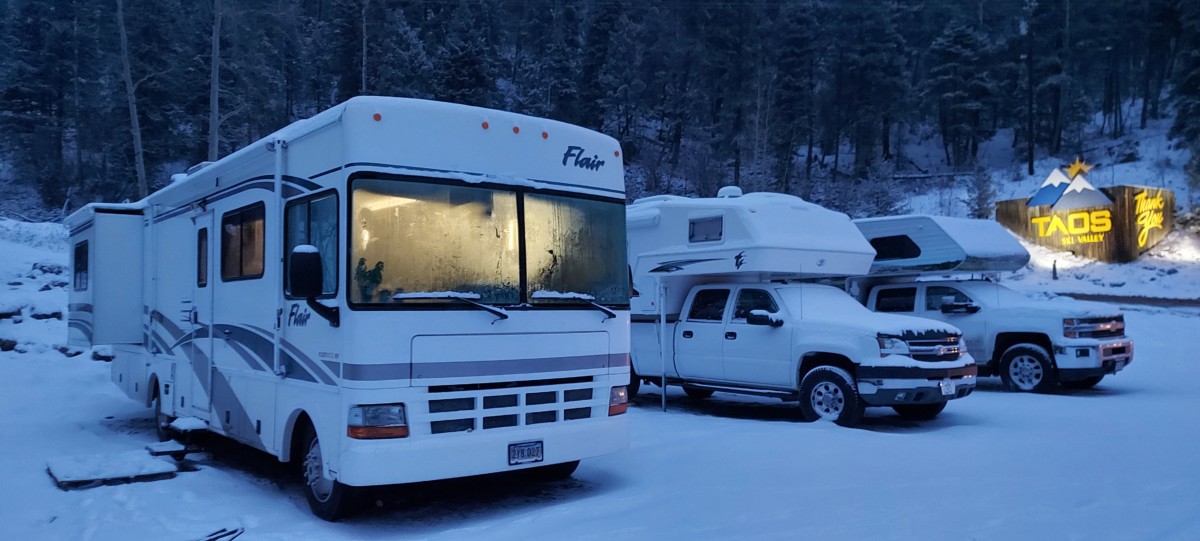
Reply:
x=1109, y=224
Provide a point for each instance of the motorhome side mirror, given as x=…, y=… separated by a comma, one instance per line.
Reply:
x=763, y=319
x=305, y=274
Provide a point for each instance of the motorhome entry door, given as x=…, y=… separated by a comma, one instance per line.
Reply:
x=201, y=317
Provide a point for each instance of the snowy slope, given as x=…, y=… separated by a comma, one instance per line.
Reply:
x=1114, y=463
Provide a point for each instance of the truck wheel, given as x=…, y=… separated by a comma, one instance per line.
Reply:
x=328, y=499
x=827, y=393
x=919, y=412
x=1085, y=383
x=1027, y=368
x=635, y=384
x=697, y=394
x=162, y=421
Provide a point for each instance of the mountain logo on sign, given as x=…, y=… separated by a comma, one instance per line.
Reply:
x=1070, y=190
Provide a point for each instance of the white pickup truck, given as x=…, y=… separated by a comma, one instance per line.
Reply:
x=721, y=275
x=1032, y=344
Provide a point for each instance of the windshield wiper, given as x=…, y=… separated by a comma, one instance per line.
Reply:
x=468, y=298
x=587, y=299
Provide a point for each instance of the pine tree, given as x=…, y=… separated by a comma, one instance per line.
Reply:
x=959, y=85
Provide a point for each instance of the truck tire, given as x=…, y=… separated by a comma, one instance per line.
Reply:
x=697, y=394
x=827, y=393
x=328, y=499
x=635, y=384
x=919, y=412
x=1027, y=368
x=1085, y=383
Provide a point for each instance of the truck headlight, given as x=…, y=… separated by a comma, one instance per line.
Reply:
x=379, y=421
x=892, y=345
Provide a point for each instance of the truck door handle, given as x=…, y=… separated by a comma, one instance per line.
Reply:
x=687, y=334
x=731, y=336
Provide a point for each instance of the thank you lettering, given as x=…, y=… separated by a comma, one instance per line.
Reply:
x=1149, y=215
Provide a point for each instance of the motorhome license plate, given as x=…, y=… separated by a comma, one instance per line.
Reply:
x=947, y=387
x=524, y=453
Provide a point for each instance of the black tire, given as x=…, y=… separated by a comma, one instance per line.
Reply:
x=828, y=393
x=328, y=499
x=1085, y=383
x=162, y=421
x=635, y=384
x=553, y=472
x=1028, y=368
x=697, y=394
x=920, y=412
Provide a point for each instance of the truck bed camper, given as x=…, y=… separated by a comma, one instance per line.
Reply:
x=391, y=291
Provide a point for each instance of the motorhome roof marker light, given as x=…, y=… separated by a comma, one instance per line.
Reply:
x=617, y=153
x=485, y=125
x=545, y=135
x=377, y=117
x=516, y=129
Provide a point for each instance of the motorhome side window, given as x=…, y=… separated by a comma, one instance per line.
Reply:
x=895, y=247
x=753, y=299
x=314, y=221
x=706, y=229
x=81, y=266
x=936, y=295
x=242, y=243
x=202, y=257
x=901, y=299
x=708, y=305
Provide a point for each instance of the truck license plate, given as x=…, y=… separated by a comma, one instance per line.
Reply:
x=524, y=453
x=947, y=387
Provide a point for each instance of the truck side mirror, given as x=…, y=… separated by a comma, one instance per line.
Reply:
x=306, y=278
x=760, y=318
x=959, y=308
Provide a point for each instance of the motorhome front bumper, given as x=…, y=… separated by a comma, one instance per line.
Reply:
x=1078, y=359
x=446, y=456
x=890, y=386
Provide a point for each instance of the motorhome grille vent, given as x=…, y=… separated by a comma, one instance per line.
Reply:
x=503, y=406
x=508, y=384
x=453, y=425
x=453, y=404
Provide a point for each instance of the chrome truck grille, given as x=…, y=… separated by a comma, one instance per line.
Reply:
x=487, y=406
x=1094, y=327
x=936, y=350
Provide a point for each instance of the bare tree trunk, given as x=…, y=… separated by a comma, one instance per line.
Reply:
x=134, y=126
x=362, y=89
x=214, y=86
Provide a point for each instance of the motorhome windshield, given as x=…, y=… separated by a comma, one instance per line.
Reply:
x=416, y=242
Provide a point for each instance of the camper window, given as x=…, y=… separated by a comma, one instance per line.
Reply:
x=81, y=266
x=242, y=243
x=935, y=295
x=753, y=299
x=706, y=229
x=709, y=305
x=895, y=247
x=202, y=257
x=901, y=299
x=314, y=221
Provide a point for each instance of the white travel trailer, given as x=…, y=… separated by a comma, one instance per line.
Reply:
x=934, y=267
x=391, y=291
x=721, y=273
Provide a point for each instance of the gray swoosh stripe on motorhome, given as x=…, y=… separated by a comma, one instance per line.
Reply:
x=618, y=359
x=292, y=356
x=249, y=358
x=508, y=366
x=305, y=185
x=374, y=372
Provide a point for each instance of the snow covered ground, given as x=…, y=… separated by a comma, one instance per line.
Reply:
x=1117, y=462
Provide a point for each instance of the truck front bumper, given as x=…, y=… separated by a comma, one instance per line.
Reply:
x=1085, y=358
x=892, y=385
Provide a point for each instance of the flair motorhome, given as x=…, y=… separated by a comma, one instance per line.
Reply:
x=934, y=267
x=720, y=275
x=391, y=291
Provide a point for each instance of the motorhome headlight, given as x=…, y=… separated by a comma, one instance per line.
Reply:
x=618, y=400
x=891, y=345
x=377, y=421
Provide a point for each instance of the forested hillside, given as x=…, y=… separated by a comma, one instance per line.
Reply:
x=103, y=100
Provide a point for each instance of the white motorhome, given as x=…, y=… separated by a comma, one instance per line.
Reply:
x=391, y=291
x=720, y=273
x=935, y=267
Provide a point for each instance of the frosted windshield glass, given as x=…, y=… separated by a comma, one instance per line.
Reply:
x=576, y=248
